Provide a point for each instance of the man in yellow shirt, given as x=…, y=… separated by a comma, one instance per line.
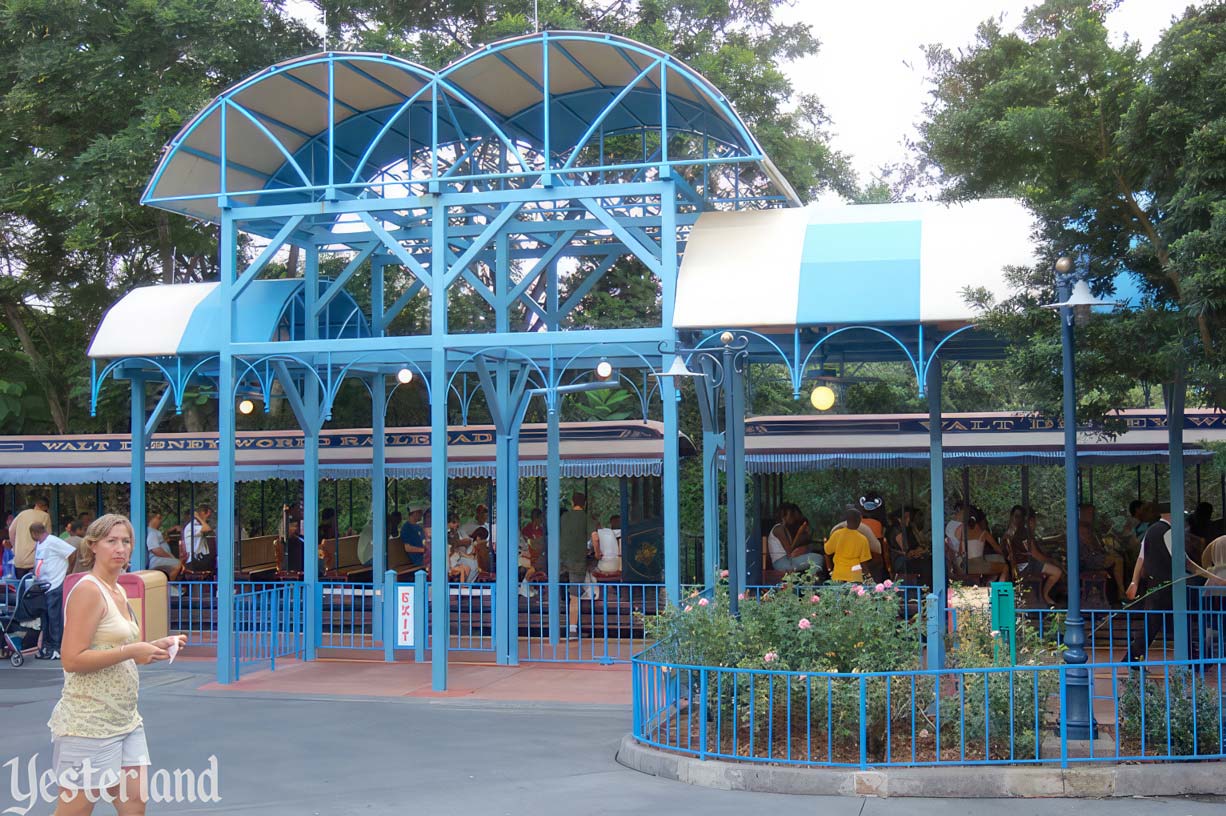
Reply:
x=850, y=550
x=23, y=541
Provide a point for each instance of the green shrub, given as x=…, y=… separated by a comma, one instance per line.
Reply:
x=1191, y=700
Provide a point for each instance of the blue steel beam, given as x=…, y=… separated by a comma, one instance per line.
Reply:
x=440, y=597
x=226, y=669
x=378, y=495
x=136, y=504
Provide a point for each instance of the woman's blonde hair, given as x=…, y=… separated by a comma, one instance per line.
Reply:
x=98, y=530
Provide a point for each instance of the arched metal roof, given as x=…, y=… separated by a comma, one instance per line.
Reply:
x=185, y=318
x=348, y=124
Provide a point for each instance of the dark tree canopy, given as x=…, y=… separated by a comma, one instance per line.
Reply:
x=1121, y=155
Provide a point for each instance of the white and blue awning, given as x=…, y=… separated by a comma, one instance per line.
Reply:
x=793, y=444
x=842, y=265
x=588, y=449
x=185, y=318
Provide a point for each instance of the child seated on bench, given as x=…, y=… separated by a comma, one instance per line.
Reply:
x=461, y=562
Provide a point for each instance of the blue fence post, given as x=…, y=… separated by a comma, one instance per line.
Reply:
x=1063, y=669
x=863, y=723
x=274, y=637
x=702, y=713
x=391, y=604
x=420, y=605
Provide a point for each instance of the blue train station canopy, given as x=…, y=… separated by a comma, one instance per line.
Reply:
x=836, y=265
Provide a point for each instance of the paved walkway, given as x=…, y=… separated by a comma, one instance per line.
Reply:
x=283, y=752
x=567, y=684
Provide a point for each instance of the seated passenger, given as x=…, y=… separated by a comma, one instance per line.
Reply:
x=786, y=554
x=849, y=550
x=607, y=546
x=160, y=556
x=461, y=563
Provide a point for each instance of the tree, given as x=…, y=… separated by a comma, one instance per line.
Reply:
x=95, y=89
x=1120, y=155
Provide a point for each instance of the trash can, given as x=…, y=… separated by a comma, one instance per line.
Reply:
x=148, y=596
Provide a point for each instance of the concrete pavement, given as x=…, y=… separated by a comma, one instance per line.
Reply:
x=304, y=753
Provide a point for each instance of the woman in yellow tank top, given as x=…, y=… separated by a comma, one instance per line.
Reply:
x=96, y=731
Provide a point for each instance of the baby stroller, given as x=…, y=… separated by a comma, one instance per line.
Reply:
x=23, y=606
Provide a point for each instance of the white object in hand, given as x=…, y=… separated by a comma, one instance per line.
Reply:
x=174, y=650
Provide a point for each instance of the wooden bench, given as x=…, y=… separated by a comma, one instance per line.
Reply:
x=257, y=558
x=398, y=559
x=345, y=558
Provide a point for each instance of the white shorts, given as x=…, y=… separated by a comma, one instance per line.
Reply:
x=92, y=763
x=163, y=562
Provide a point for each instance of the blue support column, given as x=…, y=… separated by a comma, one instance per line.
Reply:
x=672, y=494
x=710, y=506
x=1179, y=567
x=228, y=245
x=936, y=471
x=136, y=504
x=504, y=583
x=553, y=504
x=707, y=400
x=310, y=474
x=440, y=598
x=378, y=492
x=508, y=552
x=734, y=469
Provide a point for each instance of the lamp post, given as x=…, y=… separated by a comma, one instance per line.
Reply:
x=722, y=369
x=1079, y=715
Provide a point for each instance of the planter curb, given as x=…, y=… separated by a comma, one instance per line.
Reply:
x=1204, y=778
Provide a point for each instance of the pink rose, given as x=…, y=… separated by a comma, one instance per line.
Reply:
x=703, y=602
x=688, y=608
x=815, y=599
x=804, y=623
x=860, y=590
x=770, y=657
x=723, y=573
x=887, y=583
x=740, y=596
x=879, y=588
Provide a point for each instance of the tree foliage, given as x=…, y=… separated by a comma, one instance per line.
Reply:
x=94, y=90
x=1120, y=155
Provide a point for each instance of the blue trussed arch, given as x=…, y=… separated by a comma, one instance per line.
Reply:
x=331, y=125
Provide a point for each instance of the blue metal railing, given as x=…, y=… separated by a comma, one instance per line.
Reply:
x=470, y=615
x=1155, y=710
x=268, y=623
x=347, y=615
x=608, y=627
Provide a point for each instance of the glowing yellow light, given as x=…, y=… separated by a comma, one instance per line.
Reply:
x=246, y=406
x=822, y=398
x=404, y=376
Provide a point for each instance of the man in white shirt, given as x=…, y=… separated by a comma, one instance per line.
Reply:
x=160, y=556
x=194, y=551
x=52, y=555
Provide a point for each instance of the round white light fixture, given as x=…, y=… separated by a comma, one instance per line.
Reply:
x=246, y=406
x=604, y=369
x=404, y=376
x=822, y=398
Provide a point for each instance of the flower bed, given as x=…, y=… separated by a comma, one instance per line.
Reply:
x=833, y=675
